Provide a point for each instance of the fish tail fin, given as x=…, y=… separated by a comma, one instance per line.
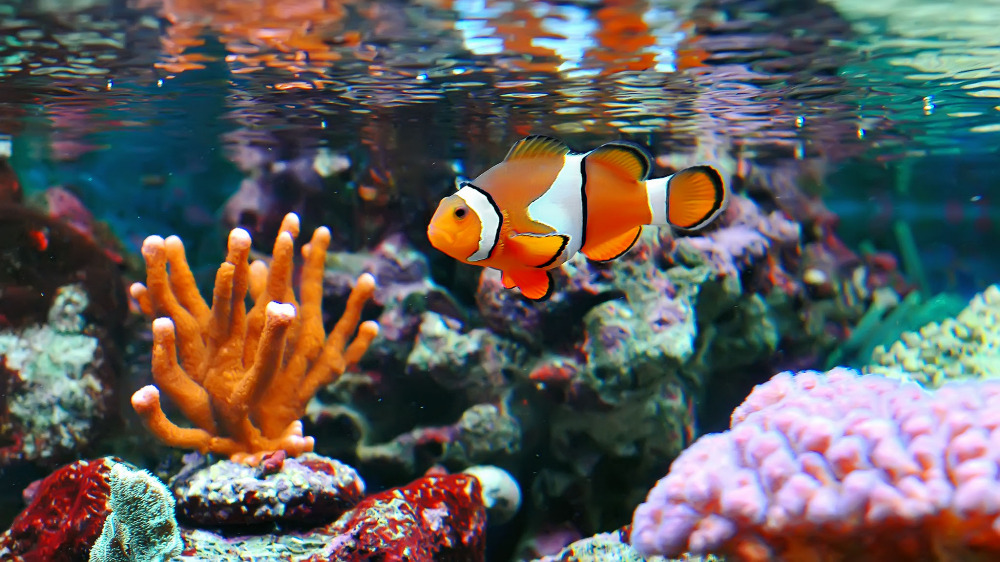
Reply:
x=689, y=199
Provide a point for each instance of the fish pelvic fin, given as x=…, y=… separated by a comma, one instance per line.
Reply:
x=537, y=250
x=507, y=280
x=614, y=248
x=535, y=284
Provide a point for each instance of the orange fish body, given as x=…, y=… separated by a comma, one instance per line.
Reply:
x=543, y=204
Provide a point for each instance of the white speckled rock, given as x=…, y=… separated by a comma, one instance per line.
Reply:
x=306, y=489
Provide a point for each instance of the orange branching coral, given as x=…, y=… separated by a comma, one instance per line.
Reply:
x=226, y=368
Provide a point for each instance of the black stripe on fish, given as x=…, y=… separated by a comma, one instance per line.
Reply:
x=551, y=287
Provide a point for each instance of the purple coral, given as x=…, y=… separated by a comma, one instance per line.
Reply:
x=745, y=236
x=837, y=467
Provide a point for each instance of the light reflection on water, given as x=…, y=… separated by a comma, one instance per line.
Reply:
x=627, y=68
x=931, y=68
x=416, y=90
x=910, y=77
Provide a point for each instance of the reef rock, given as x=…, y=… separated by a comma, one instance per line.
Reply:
x=483, y=433
x=40, y=254
x=308, y=489
x=56, y=384
x=103, y=508
x=600, y=548
x=435, y=519
x=471, y=362
x=62, y=305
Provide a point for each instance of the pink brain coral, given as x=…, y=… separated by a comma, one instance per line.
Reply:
x=837, y=466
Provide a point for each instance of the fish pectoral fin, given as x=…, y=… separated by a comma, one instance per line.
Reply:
x=537, y=250
x=507, y=280
x=614, y=248
x=695, y=197
x=535, y=284
x=537, y=146
x=629, y=160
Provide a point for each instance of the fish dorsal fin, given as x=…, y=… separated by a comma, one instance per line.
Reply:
x=629, y=159
x=537, y=146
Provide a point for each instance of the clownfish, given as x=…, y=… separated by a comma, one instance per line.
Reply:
x=544, y=203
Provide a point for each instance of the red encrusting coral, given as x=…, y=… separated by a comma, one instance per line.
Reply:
x=433, y=519
x=65, y=515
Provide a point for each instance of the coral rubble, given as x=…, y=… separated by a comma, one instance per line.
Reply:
x=605, y=547
x=226, y=368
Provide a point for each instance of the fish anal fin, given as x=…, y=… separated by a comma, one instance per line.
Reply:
x=695, y=197
x=613, y=248
x=537, y=146
x=626, y=158
x=535, y=284
x=537, y=250
x=507, y=280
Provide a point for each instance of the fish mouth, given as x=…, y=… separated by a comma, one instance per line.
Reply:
x=439, y=238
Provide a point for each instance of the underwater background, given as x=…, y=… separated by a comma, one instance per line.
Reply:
x=444, y=416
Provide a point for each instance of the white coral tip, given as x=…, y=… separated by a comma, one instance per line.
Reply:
x=281, y=312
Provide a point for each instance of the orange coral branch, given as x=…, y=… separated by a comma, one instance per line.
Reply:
x=244, y=377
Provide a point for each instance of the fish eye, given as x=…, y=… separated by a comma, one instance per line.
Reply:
x=460, y=213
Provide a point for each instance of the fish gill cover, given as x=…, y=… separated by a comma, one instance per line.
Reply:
x=858, y=140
